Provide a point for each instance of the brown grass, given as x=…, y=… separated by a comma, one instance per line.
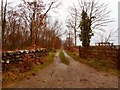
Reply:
x=105, y=65
x=24, y=70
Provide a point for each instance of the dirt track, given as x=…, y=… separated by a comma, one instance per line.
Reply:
x=75, y=75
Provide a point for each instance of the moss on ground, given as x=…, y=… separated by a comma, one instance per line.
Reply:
x=63, y=58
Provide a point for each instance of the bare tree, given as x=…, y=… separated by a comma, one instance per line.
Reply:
x=27, y=25
x=69, y=37
x=73, y=21
x=108, y=36
x=3, y=19
x=55, y=33
x=94, y=16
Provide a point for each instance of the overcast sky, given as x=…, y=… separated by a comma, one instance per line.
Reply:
x=62, y=14
x=112, y=6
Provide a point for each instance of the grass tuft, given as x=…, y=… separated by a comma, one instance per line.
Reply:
x=63, y=58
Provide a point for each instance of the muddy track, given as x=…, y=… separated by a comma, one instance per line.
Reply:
x=75, y=75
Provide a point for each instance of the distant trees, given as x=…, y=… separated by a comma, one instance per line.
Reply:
x=72, y=22
x=26, y=26
x=3, y=18
x=51, y=35
x=93, y=16
x=108, y=36
x=68, y=42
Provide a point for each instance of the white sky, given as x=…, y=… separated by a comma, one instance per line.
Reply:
x=112, y=6
x=62, y=14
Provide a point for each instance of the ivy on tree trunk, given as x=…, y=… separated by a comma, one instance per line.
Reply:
x=86, y=32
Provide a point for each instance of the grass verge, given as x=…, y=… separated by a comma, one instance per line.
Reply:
x=10, y=78
x=100, y=65
x=63, y=58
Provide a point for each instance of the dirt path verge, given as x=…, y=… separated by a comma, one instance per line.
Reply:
x=75, y=75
